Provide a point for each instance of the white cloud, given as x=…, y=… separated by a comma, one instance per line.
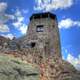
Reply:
x=19, y=24
x=21, y=27
x=24, y=28
x=18, y=13
x=12, y=17
x=74, y=61
x=48, y=5
x=3, y=6
x=25, y=11
x=67, y=23
x=8, y=36
x=4, y=28
x=4, y=17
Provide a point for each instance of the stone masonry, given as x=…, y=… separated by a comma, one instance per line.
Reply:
x=42, y=36
x=41, y=46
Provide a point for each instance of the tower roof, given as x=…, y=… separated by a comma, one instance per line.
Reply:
x=43, y=15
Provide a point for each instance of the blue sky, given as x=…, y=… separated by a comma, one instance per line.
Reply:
x=15, y=14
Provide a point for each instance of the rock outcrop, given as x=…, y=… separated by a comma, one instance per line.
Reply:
x=3, y=43
x=15, y=69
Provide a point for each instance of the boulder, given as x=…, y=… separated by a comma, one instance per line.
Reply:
x=15, y=69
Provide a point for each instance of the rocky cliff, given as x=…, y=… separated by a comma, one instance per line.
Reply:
x=15, y=69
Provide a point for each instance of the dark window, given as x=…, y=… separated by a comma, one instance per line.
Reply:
x=53, y=25
x=32, y=44
x=40, y=28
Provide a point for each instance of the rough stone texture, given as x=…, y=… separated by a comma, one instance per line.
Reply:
x=40, y=48
x=16, y=69
x=48, y=40
x=58, y=69
x=3, y=43
x=46, y=52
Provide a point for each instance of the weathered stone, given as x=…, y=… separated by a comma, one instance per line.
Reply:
x=41, y=46
x=15, y=69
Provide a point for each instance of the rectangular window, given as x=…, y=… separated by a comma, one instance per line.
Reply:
x=40, y=28
x=33, y=44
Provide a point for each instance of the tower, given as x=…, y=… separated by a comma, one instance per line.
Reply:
x=43, y=34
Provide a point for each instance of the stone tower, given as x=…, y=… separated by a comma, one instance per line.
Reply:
x=43, y=35
x=41, y=46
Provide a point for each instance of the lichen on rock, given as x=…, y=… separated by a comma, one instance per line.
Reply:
x=14, y=69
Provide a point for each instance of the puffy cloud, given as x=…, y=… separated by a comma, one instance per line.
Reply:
x=19, y=24
x=25, y=11
x=67, y=23
x=47, y=5
x=12, y=17
x=3, y=6
x=18, y=13
x=24, y=28
x=4, y=17
x=4, y=28
x=74, y=61
x=8, y=35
